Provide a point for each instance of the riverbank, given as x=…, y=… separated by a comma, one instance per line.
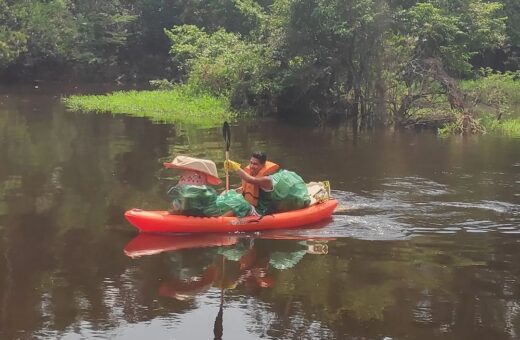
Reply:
x=490, y=104
x=496, y=97
x=495, y=102
x=176, y=105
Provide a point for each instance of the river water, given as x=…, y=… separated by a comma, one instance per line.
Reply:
x=425, y=242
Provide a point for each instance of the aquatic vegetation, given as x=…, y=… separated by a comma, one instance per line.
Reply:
x=507, y=127
x=494, y=88
x=495, y=101
x=173, y=105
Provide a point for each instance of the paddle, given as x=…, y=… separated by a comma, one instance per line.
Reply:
x=218, y=327
x=226, y=132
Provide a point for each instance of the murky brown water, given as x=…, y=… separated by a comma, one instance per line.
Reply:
x=425, y=244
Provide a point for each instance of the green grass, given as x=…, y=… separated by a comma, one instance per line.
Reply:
x=495, y=90
x=506, y=127
x=505, y=84
x=176, y=105
x=496, y=94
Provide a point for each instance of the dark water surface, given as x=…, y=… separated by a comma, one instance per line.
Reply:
x=425, y=243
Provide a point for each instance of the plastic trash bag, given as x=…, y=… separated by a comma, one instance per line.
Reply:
x=233, y=254
x=289, y=192
x=233, y=201
x=285, y=260
x=194, y=200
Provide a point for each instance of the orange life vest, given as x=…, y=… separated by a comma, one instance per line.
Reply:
x=251, y=191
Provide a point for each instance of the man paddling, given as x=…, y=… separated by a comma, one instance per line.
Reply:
x=267, y=187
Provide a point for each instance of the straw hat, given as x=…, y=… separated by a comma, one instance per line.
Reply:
x=205, y=166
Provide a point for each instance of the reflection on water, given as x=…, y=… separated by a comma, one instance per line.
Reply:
x=236, y=267
x=150, y=244
x=424, y=244
x=251, y=260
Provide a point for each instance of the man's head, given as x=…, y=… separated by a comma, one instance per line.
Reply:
x=257, y=162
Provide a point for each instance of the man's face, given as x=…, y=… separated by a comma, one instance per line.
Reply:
x=254, y=166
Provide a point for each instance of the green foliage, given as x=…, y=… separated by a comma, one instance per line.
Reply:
x=235, y=73
x=102, y=31
x=322, y=56
x=448, y=129
x=326, y=52
x=221, y=63
x=188, y=42
x=506, y=127
x=251, y=11
x=239, y=16
x=177, y=105
x=454, y=33
x=161, y=84
x=318, y=58
x=487, y=25
x=84, y=31
x=12, y=44
x=512, y=12
x=12, y=41
x=494, y=93
x=49, y=27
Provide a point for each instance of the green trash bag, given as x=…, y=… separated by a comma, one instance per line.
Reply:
x=289, y=192
x=232, y=254
x=194, y=200
x=285, y=260
x=233, y=201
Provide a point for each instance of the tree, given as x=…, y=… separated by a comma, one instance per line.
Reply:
x=12, y=42
x=326, y=51
x=437, y=37
x=102, y=32
x=453, y=33
x=220, y=62
x=60, y=32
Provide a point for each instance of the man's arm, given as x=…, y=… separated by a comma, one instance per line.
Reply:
x=263, y=182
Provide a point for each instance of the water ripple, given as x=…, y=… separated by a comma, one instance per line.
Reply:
x=367, y=228
x=414, y=205
x=418, y=186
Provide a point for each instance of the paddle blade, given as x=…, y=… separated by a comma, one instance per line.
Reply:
x=226, y=132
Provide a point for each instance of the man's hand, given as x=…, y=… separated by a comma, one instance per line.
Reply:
x=230, y=165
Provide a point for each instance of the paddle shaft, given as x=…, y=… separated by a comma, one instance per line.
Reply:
x=227, y=172
x=218, y=327
x=226, y=132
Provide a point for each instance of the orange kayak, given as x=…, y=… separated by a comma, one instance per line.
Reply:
x=151, y=244
x=163, y=222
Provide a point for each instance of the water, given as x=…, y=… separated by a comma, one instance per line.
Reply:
x=424, y=244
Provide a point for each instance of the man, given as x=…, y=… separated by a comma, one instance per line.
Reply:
x=268, y=188
x=255, y=177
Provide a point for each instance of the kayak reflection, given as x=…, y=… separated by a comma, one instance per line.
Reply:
x=248, y=262
x=229, y=262
x=150, y=244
